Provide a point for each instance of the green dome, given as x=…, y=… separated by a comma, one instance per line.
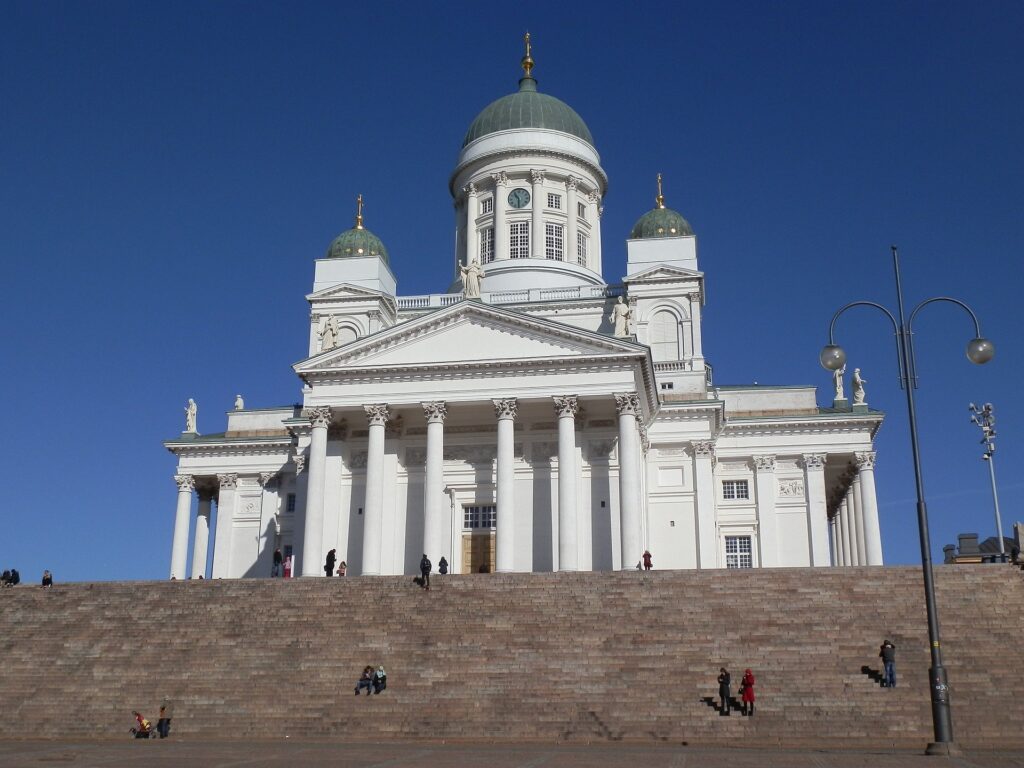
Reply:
x=528, y=109
x=661, y=222
x=355, y=243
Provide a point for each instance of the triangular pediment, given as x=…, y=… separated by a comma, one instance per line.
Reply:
x=469, y=332
x=663, y=272
x=347, y=291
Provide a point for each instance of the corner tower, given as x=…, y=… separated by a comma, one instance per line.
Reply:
x=527, y=189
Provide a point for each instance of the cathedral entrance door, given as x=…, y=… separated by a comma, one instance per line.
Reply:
x=478, y=552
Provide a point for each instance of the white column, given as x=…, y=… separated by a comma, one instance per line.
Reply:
x=628, y=406
x=225, y=524
x=313, y=535
x=537, y=219
x=857, y=520
x=373, y=511
x=435, y=503
x=202, y=539
x=504, y=543
x=704, y=480
x=595, y=209
x=833, y=529
x=570, y=215
x=869, y=505
x=817, y=510
x=845, y=532
x=568, y=476
x=179, y=545
x=472, y=209
x=767, y=528
x=500, y=230
x=695, y=332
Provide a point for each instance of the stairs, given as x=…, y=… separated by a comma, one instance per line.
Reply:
x=570, y=656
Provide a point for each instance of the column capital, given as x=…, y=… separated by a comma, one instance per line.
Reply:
x=566, y=406
x=470, y=189
x=704, y=449
x=506, y=409
x=500, y=179
x=694, y=297
x=435, y=411
x=764, y=463
x=815, y=462
x=628, y=403
x=319, y=416
x=300, y=462
x=185, y=482
x=594, y=196
x=377, y=414
x=865, y=459
x=537, y=177
x=228, y=481
x=571, y=182
x=267, y=478
x=645, y=443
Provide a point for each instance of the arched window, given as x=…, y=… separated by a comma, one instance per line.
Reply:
x=346, y=334
x=663, y=332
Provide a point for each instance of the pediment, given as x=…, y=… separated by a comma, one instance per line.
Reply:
x=663, y=272
x=346, y=291
x=469, y=332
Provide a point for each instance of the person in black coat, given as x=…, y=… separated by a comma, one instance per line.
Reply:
x=442, y=566
x=329, y=565
x=278, y=562
x=724, y=681
x=425, y=566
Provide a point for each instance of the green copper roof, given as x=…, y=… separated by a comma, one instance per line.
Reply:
x=661, y=222
x=355, y=243
x=528, y=109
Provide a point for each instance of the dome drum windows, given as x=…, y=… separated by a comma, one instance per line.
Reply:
x=582, y=246
x=554, y=241
x=487, y=245
x=519, y=240
x=554, y=201
x=486, y=206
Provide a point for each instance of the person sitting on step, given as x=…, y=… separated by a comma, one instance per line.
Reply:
x=365, y=681
x=142, y=727
x=380, y=679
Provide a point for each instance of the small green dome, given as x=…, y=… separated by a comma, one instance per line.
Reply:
x=355, y=243
x=661, y=222
x=528, y=109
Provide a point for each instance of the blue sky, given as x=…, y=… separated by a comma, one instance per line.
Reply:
x=169, y=173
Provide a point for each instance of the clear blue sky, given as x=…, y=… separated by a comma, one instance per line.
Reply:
x=169, y=173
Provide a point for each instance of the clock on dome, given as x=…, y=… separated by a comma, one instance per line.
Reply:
x=519, y=198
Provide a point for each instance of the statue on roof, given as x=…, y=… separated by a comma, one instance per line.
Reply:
x=328, y=334
x=620, y=317
x=471, y=277
x=239, y=403
x=190, y=417
x=858, y=387
x=837, y=378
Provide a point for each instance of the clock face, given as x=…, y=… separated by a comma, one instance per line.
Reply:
x=519, y=198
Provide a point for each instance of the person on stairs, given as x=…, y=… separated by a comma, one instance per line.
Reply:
x=163, y=724
x=275, y=570
x=888, y=655
x=425, y=566
x=142, y=727
x=747, y=693
x=647, y=560
x=442, y=566
x=329, y=564
x=380, y=679
x=365, y=680
x=724, y=682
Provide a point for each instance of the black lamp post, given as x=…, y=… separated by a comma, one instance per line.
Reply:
x=979, y=351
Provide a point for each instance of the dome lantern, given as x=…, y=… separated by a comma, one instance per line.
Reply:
x=661, y=221
x=357, y=242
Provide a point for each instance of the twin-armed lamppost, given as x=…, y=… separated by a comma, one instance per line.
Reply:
x=979, y=351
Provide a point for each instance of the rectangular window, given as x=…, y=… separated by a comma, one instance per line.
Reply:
x=667, y=385
x=487, y=245
x=582, y=245
x=289, y=505
x=487, y=205
x=581, y=211
x=738, y=552
x=474, y=518
x=553, y=241
x=519, y=240
x=735, y=489
x=554, y=201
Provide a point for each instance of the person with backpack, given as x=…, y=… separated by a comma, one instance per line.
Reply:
x=425, y=566
x=887, y=653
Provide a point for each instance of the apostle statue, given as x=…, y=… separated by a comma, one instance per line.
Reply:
x=239, y=403
x=329, y=334
x=471, y=276
x=620, y=317
x=190, y=416
x=858, y=387
x=837, y=378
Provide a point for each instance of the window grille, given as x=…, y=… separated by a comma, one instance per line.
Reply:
x=487, y=205
x=487, y=245
x=582, y=246
x=738, y=552
x=519, y=240
x=290, y=503
x=735, y=489
x=553, y=241
x=581, y=211
x=554, y=201
x=480, y=517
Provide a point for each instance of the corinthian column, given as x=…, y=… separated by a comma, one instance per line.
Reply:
x=433, y=481
x=767, y=525
x=872, y=531
x=504, y=543
x=202, y=539
x=537, y=209
x=857, y=521
x=572, y=228
x=817, y=510
x=628, y=406
x=844, y=529
x=568, y=551
x=179, y=545
x=373, y=520
x=313, y=535
x=472, y=209
x=704, y=480
x=500, y=233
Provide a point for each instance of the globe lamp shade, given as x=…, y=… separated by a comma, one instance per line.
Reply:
x=833, y=357
x=980, y=351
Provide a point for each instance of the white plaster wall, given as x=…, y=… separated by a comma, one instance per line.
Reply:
x=672, y=251
x=366, y=272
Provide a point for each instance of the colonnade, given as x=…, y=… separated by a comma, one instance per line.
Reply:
x=854, y=528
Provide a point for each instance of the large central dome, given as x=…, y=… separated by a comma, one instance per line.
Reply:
x=528, y=109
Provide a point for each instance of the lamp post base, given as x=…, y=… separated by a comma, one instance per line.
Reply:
x=944, y=749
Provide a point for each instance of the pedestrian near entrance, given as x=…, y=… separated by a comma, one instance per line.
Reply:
x=343, y=568
x=275, y=571
x=724, y=682
x=888, y=655
x=425, y=567
x=747, y=693
x=442, y=566
x=329, y=564
x=163, y=724
x=647, y=560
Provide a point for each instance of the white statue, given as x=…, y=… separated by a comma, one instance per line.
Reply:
x=239, y=403
x=858, y=387
x=329, y=334
x=837, y=377
x=620, y=317
x=471, y=277
x=190, y=416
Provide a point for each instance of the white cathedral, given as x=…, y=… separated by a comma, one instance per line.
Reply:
x=533, y=417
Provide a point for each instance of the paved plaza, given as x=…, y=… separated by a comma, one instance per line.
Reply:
x=289, y=754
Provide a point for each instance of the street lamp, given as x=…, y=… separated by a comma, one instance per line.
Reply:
x=985, y=417
x=979, y=351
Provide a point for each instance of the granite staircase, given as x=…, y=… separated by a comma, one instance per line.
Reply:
x=602, y=656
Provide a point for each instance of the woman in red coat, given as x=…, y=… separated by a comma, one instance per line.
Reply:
x=747, y=692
